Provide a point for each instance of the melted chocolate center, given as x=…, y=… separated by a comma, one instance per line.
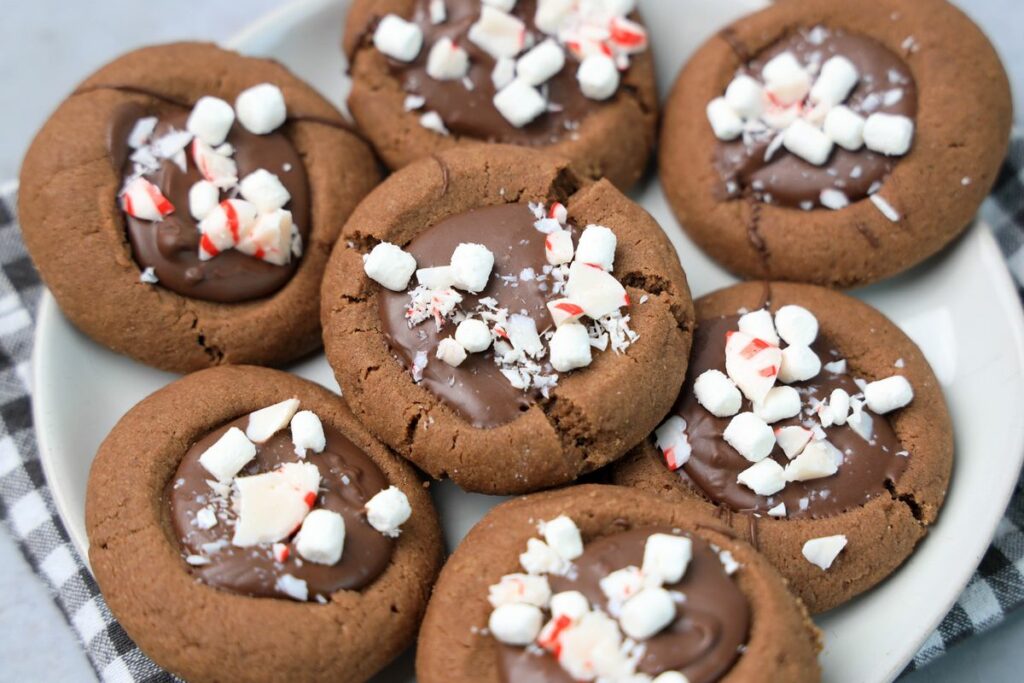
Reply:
x=886, y=85
x=171, y=246
x=714, y=465
x=703, y=642
x=471, y=112
x=476, y=389
x=348, y=479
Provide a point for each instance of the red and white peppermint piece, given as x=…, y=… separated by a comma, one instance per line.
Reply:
x=541, y=63
x=322, y=537
x=388, y=510
x=559, y=212
x=792, y=439
x=592, y=648
x=627, y=36
x=280, y=552
x=498, y=33
x=759, y=324
x=564, y=311
x=261, y=108
x=210, y=120
x=520, y=588
x=269, y=238
x=143, y=200
x=228, y=455
x=597, y=247
x=596, y=290
x=224, y=227
x=447, y=61
x=550, y=636
x=271, y=506
x=673, y=442
x=786, y=80
x=558, y=248
x=752, y=363
x=266, y=422
x=219, y=169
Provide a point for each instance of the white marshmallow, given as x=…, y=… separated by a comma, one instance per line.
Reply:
x=819, y=459
x=666, y=557
x=780, y=118
x=294, y=588
x=888, y=394
x=261, y=108
x=837, y=78
x=752, y=364
x=796, y=325
x=321, y=539
x=572, y=604
x=265, y=190
x=225, y=458
x=219, y=169
x=451, y=352
x=823, y=551
x=596, y=290
x=779, y=404
x=503, y=5
x=592, y=642
x=569, y=347
x=388, y=510
x=210, y=120
x=763, y=478
x=551, y=14
x=438, y=277
x=563, y=536
x=520, y=103
x=799, y=363
x=750, y=436
x=839, y=404
x=725, y=122
x=792, y=440
x=888, y=134
x=745, y=96
x=504, y=72
x=597, y=246
x=541, y=63
x=520, y=588
x=203, y=198
x=620, y=585
x=516, y=624
x=142, y=199
x=307, y=433
x=398, y=38
x=558, y=247
x=647, y=613
x=717, y=393
x=473, y=335
x=438, y=12
x=539, y=558
x=759, y=324
x=272, y=505
x=673, y=442
x=447, y=61
x=807, y=142
x=270, y=237
x=786, y=79
x=598, y=77
x=670, y=677
x=498, y=33
x=389, y=266
x=845, y=128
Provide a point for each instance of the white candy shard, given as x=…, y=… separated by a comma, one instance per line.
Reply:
x=321, y=539
x=888, y=134
x=780, y=403
x=836, y=80
x=666, y=557
x=725, y=122
x=142, y=131
x=541, y=63
x=832, y=198
x=558, y=247
x=778, y=511
x=210, y=120
x=261, y=108
x=540, y=558
x=620, y=585
x=563, y=536
x=388, y=510
x=819, y=459
x=451, y=352
x=839, y=405
x=515, y=624
x=498, y=33
x=745, y=96
x=845, y=128
x=647, y=613
x=752, y=363
x=522, y=334
x=807, y=142
x=265, y=190
x=717, y=393
x=203, y=198
x=438, y=277
x=398, y=38
x=447, y=61
x=520, y=103
x=569, y=347
x=786, y=80
x=520, y=588
x=673, y=442
x=763, y=478
x=796, y=325
x=225, y=458
x=596, y=290
x=886, y=395
x=572, y=604
x=389, y=266
x=593, y=645
x=799, y=363
x=750, y=436
x=759, y=324
x=294, y=588
x=266, y=422
x=597, y=247
x=142, y=199
x=598, y=77
x=551, y=14
x=219, y=169
x=271, y=506
x=307, y=433
x=860, y=421
x=473, y=335
x=823, y=551
x=471, y=267
x=792, y=439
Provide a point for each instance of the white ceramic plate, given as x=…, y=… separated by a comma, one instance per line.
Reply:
x=960, y=307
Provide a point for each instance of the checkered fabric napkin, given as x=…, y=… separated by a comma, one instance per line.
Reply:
x=28, y=512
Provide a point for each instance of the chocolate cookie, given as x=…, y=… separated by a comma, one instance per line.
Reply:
x=813, y=427
x=832, y=142
x=480, y=371
x=241, y=521
x=574, y=79
x=688, y=595
x=186, y=230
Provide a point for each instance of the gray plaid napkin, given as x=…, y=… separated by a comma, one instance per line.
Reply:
x=28, y=512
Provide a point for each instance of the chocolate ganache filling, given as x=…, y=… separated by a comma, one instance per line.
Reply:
x=171, y=246
x=885, y=86
x=704, y=640
x=348, y=480
x=713, y=465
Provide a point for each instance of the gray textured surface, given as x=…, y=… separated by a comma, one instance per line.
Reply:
x=47, y=46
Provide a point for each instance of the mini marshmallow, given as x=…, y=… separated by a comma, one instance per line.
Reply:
x=551, y=14
x=837, y=78
x=595, y=641
x=759, y=324
x=471, y=266
x=447, y=61
x=888, y=394
x=271, y=506
x=558, y=247
x=563, y=536
x=142, y=199
x=516, y=624
x=520, y=588
x=503, y=5
x=270, y=237
x=839, y=404
x=750, y=436
x=266, y=422
x=210, y=120
x=597, y=246
x=670, y=677
x=799, y=363
x=451, y=352
x=807, y=142
x=717, y=393
x=219, y=169
x=294, y=588
x=225, y=458
x=388, y=510
x=627, y=36
x=321, y=539
x=473, y=335
x=725, y=122
x=666, y=557
x=845, y=128
x=224, y=227
x=398, y=38
x=786, y=80
x=572, y=604
x=779, y=403
x=307, y=433
x=596, y=290
x=504, y=72
x=822, y=552
x=569, y=347
x=541, y=63
x=745, y=96
x=261, y=108
x=752, y=363
x=763, y=478
x=438, y=12
x=792, y=440
x=888, y=134
x=520, y=103
x=539, y=558
x=673, y=442
x=647, y=613
x=819, y=459
x=390, y=266
x=498, y=33
x=796, y=325
x=598, y=77
x=620, y=585
x=203, y=198
x=264, y=190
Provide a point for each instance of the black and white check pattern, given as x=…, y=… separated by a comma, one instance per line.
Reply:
x=28, y=512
